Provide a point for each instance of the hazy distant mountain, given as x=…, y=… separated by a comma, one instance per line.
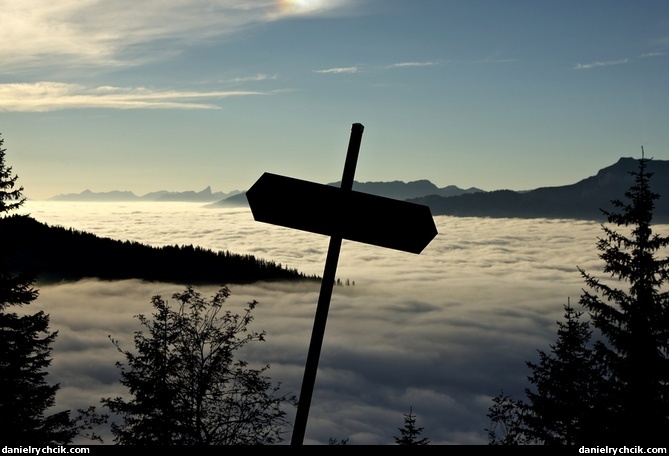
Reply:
x=237, y=200
x=395, y=189
x=406, y=190
x=582, y=200
x=205, y=195
x=88, y=195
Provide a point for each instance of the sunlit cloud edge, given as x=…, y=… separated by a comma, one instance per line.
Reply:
x=51, y=96
x=39, y=35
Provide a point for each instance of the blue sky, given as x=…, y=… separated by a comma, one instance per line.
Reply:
x=178, y=95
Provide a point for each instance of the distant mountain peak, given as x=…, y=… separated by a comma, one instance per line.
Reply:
x=406, y=190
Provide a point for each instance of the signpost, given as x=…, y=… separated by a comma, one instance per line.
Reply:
x=340, y=213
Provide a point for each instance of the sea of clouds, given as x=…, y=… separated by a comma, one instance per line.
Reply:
x=439, y=333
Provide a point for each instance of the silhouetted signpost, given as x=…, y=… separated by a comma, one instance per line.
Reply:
x=340, y=213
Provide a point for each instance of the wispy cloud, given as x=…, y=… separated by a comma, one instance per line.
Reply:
x=412, y=64
x=42, y=33
x=646, y=55
x=51, y=96
x=587, y=66
x=255, y=78
x=353, y=69
x=359, y=68
x=652, y=54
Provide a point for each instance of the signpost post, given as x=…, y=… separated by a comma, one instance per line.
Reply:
x=340, y=213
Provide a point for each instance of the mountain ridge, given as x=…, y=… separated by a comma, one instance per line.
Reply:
x=392, y=189
x=585, y=199
x=205, y=196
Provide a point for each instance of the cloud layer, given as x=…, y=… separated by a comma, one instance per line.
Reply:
x=440, y=332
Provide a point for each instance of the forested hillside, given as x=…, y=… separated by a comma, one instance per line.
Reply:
x=56, y=253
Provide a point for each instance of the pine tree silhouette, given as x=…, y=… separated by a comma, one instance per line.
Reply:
x=409, y=434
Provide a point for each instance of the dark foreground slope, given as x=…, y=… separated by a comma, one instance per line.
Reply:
x=56, y=253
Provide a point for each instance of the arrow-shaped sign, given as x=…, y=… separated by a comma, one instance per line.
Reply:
x=339, y=213
x=329, y=210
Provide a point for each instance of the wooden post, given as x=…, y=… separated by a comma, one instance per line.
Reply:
x=329, y=277
x=340, y=213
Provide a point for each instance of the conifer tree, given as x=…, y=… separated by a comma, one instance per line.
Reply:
x=25, y=346
x=409, y=434
x=565, y=383
x=633, y=322
x=614, y=391
x=25, y=353
x=11, y=196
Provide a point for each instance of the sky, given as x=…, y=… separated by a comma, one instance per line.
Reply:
x=439, y=333
x=180, y=95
